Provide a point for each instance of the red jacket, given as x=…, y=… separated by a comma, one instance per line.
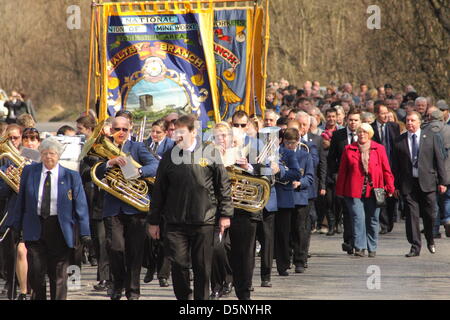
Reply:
x=350, y=178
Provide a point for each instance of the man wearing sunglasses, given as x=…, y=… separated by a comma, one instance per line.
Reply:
x=126, y=224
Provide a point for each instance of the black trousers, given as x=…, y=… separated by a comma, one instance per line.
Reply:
x=282, y=236
x=155, y=258
x=348, y=225
x=333, y=207
x=388, y=214
x=419, y=204
x=10, y=255
x=265, y=236
x=242, y=257
x=300, y=234
x=99, y=244
x=49, y=255
x=125, y=240
x=221, y=268
x=185, y=244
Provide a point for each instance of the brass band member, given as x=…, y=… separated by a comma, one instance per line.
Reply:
x=126, y=225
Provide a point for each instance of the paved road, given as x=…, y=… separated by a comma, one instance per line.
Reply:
x=332, y=274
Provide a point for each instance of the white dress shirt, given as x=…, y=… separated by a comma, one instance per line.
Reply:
x=192, y=147
x=54, y=192
x=417, y=133
x=349, y=139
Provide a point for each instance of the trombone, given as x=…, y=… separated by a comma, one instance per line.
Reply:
x=2, y=237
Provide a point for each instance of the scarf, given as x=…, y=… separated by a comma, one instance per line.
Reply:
x=364, y=149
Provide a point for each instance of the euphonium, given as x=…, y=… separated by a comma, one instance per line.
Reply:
x=8, y=151
x=248, y=192
x=302, y=145
x=133, y=192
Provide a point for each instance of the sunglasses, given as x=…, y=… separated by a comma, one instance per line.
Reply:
x=239, y=125
x=121, y=129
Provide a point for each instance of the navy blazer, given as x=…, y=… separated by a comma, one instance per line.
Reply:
x=72, y=205
x=285, y=191
x=302, y=193
x=112, y=206
x=166, y=145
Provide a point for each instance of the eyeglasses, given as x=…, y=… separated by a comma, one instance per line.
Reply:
x=239, y=125
x=121, y=129
x=14, y=137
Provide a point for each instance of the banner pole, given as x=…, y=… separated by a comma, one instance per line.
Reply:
x=91, y=50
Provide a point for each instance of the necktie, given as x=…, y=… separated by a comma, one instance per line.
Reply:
x=352, y=137
x=382, y=136
x=155, y=146
x=415, y=151
x=46, y=195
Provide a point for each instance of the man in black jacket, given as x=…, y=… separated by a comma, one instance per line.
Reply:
x=340, y=139
x=192, y=192
x=385, y=134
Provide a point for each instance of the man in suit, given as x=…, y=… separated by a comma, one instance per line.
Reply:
x=192, y=193
x=385, y=133
x=419, y=170
x=126, y=224
x=47, y=210
x=158, y=142
x=318, y=154
x=340, y=139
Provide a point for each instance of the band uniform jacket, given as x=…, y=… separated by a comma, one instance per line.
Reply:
x=195, y=191
x=285, y=190
x=113, y=206
x=72, y=206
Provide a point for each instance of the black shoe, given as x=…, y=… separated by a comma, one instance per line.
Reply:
x=266, y=284
x=347, y=248
x=383, y=231
x=22, y=296
x=412, y=254
x=215, y=295
x=437, y=236
x=431, y=248
x=339, y=229
x=359, y=253
x=447, y=230
x=372, y=254
x=116, y=295
x=330, y=233
x=227, y=289
x=149, y=276
x=163, y=283
x=93, y=262
x=283, y=273
x=101, y=286
x=299, y=269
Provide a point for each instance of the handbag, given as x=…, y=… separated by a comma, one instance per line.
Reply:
x=380, y=197
x=379, y=194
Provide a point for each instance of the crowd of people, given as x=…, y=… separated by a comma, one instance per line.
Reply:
x=334, y=161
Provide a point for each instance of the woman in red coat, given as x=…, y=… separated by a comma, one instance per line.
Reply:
x=364, y=166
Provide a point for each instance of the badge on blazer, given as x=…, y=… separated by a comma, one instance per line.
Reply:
x=69, y=194
x=203, y=162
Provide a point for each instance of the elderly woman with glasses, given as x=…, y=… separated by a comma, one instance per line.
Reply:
x=47, y=210
x=30, y=140
x=364, y=166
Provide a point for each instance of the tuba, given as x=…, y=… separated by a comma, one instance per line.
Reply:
x=248, y=192
x=133, y=192
x=10, y=152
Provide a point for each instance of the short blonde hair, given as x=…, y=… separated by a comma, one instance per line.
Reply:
x=367, y=128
